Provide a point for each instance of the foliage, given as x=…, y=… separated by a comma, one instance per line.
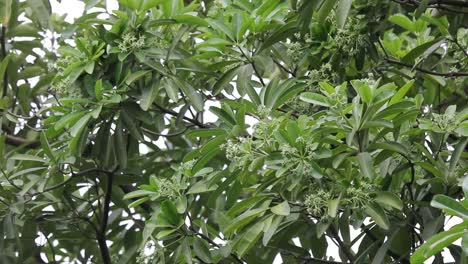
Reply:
x=234, y=131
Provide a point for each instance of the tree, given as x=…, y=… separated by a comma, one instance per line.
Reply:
x=234, y=131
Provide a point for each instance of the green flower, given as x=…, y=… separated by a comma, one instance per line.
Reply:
x=317, y=202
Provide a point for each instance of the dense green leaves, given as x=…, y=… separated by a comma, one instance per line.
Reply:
x=233, y=132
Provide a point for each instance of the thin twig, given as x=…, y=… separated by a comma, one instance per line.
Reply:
x=101, y=235
x=209, y=240
x=4, y=54
x=444, y=74
x=173, y=113
x=347, y=251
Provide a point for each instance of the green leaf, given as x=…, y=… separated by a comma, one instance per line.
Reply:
x=27, y=157
x=366, y=165
x=280, y=34
x=98, y=89
x=314, y=98
x=364, y=90
x=382, y=252
x=401, y=93
x=389, y=199
x=120, y=144
x=225, y=79
x=281, y=209
x=245, y=85
x=243, y=219
x=411, y=56
x=191, y=20
x=169, y=213
x=138, y=202
x=135, y=76
x=333, y=207
x=137, y=193
x=325, y=10
x=78, y=127
x=243, y=205
x=68, y=119
x=403, y=22
x=194, y=97
x=45, y=147
x=129, y=123
x=465, y=186
x=248, y=239
x=3, y=67
x=456, y=154
x=438, y=242
x=421, y=8
x=392, y=146
x=200, y=187
x=171, y=89
x=165, y=233
x=378, y=215
x=206, y=132
x=148, y=95
x=449, y=205
x=202, y=251
x=271, y=230
x=5, y=11
x=42, y=11
x=342, y=12
x=221, y=27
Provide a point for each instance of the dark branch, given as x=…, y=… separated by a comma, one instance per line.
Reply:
x=444, y=74
x=450, y=5
x=209, y=240
x=349, y=255
x=18, y=141
x=4, y=54
x=174, y=113
x=101, y=234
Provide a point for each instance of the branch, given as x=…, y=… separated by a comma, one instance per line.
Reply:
x=173, y=113
x=18, y=141
x=209, y=240
x=444, y=74
x=74, y=175
x=281, y=66
x=438, y=4
x=349, y=255
x=447, y=2
x=250, y=60
x=4, y=54
x=389, y=251
x=51, y=246
x=101, y=234
x=311, y=260
x=178, y=133
x=127, y=189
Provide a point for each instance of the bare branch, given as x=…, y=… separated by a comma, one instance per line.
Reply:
x=444, y=74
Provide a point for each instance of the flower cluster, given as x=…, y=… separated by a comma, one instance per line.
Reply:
x=317, y=202
x=445, y=122
x=295, y=49
x=168, y=188
x=265, y=128
x=62, y=84
x=239, y=152
x=357, y=197
x=323, y=74
x=131, y=42
x=301, y=162
x=184, y=168
x=350, y=39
